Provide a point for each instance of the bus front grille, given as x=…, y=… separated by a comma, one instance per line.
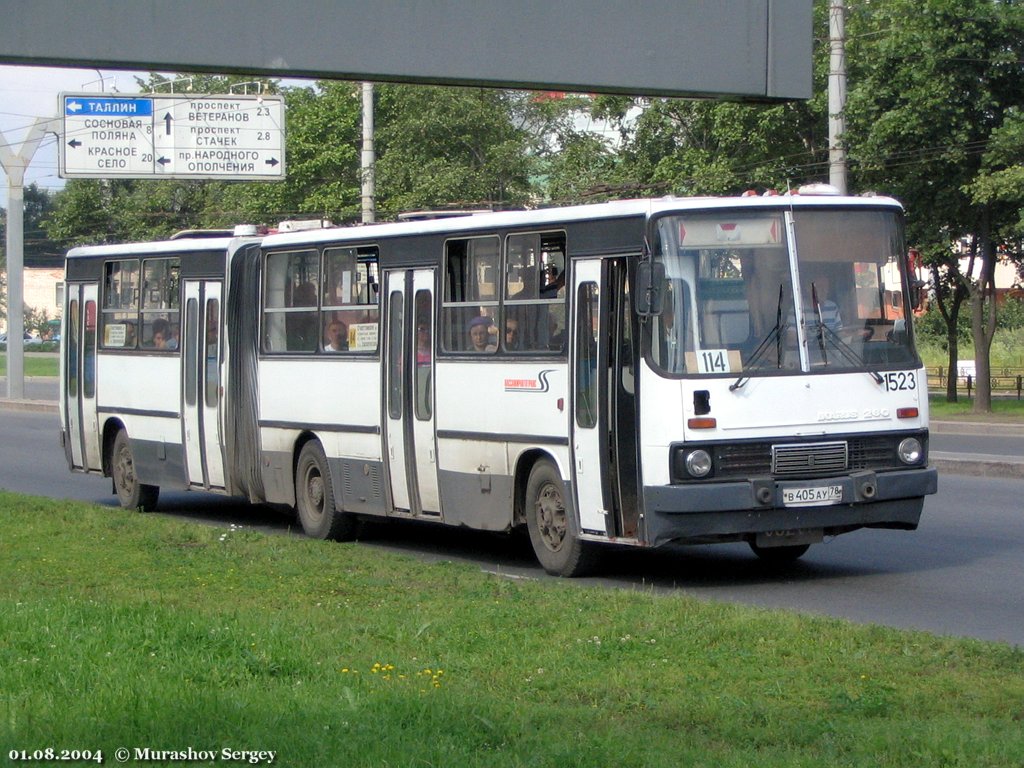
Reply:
x=757, y=458
x=809, y=458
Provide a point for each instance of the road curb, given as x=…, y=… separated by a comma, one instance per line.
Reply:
x=978, y=465
x=38, y=406
x=940, y=427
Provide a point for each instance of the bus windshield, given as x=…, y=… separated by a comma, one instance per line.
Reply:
x=735, y=301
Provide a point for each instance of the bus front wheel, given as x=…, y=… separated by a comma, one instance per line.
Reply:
x=130, y=492
x=552, y=533
x=314, y=498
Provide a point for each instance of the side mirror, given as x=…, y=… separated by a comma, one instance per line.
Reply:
x=650, y=288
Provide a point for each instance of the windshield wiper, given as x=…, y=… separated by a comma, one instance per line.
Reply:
x=850, y=354
x=821, y=324
x=775, y=334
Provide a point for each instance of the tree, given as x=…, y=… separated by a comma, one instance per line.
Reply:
x=686, y=147
x=441, y=147
x=323, y=130
x=934, y=94
x=40, y=250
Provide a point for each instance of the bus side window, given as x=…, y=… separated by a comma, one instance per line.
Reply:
x=350, y=315
x=120, y=304
x=470, y=294
x=290, y=300
x=159, y=321
x=534, y=301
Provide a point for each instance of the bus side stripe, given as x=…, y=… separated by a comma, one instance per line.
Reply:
x=492, y=437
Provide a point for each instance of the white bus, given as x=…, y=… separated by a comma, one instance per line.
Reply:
x=630, y=373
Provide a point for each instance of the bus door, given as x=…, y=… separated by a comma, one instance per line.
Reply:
x=79, y=349
x=409, y=401
x=603, y=423
x=201, y=383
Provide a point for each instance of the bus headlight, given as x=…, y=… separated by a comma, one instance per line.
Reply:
x=910, y=451
x=698, y=463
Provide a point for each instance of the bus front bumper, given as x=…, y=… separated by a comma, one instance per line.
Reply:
x=699, y=513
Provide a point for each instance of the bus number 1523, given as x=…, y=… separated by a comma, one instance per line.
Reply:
x=900, y=381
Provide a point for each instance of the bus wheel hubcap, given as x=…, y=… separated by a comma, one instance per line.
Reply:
x=315, y=492
x=125, y=471
x=551, y=517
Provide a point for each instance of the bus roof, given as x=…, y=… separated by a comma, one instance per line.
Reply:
x=180, y=245
x=553, y=216
x=485, y=221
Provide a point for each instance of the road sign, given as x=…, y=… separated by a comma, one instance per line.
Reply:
x=172, y=137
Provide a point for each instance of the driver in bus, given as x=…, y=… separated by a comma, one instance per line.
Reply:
x=819, y=290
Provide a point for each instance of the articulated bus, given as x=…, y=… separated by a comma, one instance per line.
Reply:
x=630, y=373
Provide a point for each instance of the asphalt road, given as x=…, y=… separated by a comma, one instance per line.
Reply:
x=960, y=573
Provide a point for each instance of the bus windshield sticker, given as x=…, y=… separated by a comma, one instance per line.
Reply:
x=362, y=337
x=745, y=232
x=115, y=335
x=714, y=361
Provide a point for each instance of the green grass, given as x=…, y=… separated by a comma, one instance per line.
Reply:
x=48, y=365
x=126, y=630
x=1004, y=409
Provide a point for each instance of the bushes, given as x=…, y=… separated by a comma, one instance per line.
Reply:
x=1007, y=346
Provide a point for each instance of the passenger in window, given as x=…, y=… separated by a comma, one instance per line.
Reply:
x=335, y=337
x=554, y=284
x=161, y=334
x=512, y=334
x=423, y=355
x=480, y=335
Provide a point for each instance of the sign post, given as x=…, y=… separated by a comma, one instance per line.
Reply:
x=172, y=137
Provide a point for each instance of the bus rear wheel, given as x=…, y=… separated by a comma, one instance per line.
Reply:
x=558, y=548
x=314, y=498
x=131, y=494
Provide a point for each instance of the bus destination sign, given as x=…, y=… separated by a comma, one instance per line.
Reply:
x=180, y=136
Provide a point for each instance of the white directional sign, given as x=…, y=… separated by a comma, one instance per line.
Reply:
x=172, y=137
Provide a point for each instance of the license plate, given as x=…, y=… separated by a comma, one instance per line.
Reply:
x=812, y=496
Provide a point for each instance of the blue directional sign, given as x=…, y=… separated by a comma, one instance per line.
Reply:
x=107, y=107
x=182, y=136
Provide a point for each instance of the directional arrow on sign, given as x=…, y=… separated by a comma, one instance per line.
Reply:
x=163, y=161
x=167, y=120
x=272, y=162
x=74, y=143
x=74, y=106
